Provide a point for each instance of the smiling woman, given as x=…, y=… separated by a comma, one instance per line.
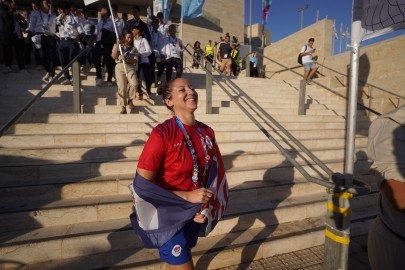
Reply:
x=182, y=157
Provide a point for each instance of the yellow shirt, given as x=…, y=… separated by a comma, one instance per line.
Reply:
x=209, y=49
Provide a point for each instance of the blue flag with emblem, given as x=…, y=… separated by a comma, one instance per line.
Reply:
x=192, y=9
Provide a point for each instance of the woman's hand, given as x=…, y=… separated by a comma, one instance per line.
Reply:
x=200, y=218
x=201, y=195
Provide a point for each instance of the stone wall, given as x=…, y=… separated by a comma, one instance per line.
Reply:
x=286, y=50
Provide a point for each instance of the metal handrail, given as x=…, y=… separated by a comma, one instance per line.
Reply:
x=29, y=104
x=361, y=187
x=317, y=83
x=363, y=82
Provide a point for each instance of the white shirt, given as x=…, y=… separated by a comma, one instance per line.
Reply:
x=69, y=27
x=307, y=58
x=156, y=41
x=86, y=24
x=170, y=48
x=41, y=22
x=142, y=45
x=108, y=25
x=164, y=30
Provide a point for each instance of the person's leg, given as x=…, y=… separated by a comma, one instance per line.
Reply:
x=179, y=67
x=52, y=55
x=312, y=73
x=152, y=62
x=160, y=68
x=45, y=47
x=228, y=67
x=19, y=52
x=139, y=83
x=97, y=53
x=146, y=75
x=169, y=69
x=7, y=50
x=121, y=85
x=109, y=62
x=63, y=52
x=132, y=81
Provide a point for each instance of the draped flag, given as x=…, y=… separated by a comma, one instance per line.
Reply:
x=265, y=12
x=373, y=18
x=160, y=214
x=167, y=6
x=192, y=9
x=88, y=2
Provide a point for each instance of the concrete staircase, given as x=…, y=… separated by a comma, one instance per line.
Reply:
x=64, y=201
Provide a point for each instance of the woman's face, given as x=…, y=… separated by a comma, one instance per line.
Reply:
x=128, y=38
x=184, y=98
x=135, y=32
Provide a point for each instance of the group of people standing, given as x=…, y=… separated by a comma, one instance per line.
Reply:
x=228, y=55
x=58, y=38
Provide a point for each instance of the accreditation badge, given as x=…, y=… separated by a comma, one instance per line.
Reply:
x=208, y=142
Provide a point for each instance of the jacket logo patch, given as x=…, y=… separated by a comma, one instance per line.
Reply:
x=176, y=251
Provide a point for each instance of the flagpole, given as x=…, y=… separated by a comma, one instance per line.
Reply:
x=333, y=37
x=263, y=3
x=116, y=34
x=181, y=21
x=340, y=38
x=250, y=28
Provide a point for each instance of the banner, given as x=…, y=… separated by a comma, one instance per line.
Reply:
x=157, y=6
x=167, y=6
x=88, y=2
x=192, y=9
x=373, y=18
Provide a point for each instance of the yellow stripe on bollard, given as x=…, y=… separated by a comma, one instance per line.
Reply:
x=344, y=211
x=343, y=195
x=336, y=238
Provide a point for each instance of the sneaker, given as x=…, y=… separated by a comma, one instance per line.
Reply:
x=309, y=82
x=46, y=77
x=110, y=84
x=99, y=82
x=65, y=82
x=131, y=105
x=123, y=110
x=149, y=96
x=50, y=78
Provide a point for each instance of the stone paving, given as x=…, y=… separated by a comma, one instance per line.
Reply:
x=309, y=259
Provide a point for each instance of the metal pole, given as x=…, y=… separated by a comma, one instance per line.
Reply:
x=301, y=102
x=340, y=37
x=302, y=18
x=317, y=15
x=247, y=61
x=352, y=113
x=76, y=87
x=208, y=87
x=333, y=37
x=250, y=28
x=116, y=34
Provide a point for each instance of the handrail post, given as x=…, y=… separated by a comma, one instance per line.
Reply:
x=76, y=88
x=247, y=63
x=370, y=98
x=208, y=87
x=301, y=101
x=337, y=226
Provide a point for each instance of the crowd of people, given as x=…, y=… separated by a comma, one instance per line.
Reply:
x=57, y=38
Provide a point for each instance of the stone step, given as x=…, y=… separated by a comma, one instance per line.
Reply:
x=69, y=154
x=85, y=168
x=99, y=208
x=206, y=118
x=111, y=127
x=232, y=235
x=49, y=140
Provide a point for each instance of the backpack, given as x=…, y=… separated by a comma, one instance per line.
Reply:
x=300, y=56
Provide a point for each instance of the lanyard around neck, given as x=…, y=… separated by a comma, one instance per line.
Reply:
x=193, y=152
